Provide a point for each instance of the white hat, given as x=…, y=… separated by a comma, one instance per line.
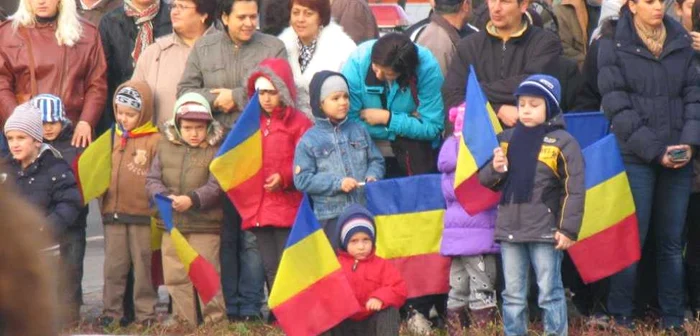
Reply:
x=263, y=83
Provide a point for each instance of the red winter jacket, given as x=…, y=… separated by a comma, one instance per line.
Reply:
x=373, y=277
x=281, y=132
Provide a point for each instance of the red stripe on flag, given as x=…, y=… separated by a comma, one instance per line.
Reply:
x=205, y=278
x=319, y=307
x=157, y=268
x=474, y=197
x=425, y=274
x=247, y=197
x=607, y=252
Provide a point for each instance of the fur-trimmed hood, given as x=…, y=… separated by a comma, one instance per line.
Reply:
x=277, y=71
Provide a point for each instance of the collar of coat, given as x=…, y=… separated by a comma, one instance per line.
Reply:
x=493, y=31
x=452, y=32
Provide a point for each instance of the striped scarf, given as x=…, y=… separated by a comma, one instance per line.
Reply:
x=144, y=22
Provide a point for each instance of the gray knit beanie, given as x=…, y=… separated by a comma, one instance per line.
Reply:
x=332, y=85
x=26, y=118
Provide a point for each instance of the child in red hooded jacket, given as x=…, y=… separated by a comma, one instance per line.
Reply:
x=378, y=285
x=281, y=125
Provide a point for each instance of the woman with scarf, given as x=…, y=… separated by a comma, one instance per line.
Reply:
x=47, y=48
x=309, y=40
x=126, y=32
x=655, y=115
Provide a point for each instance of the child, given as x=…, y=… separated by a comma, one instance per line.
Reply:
x=180, y=171
x=539, y=168
x=469, y=241
x=58, y=132
x=44, y=179
x=125, y=208
x=282, y=126
x=378, y=285
x=336, y=156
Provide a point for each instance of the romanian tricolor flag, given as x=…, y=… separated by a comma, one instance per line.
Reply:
x=311, y=294
x=409, y=219
x=238, y=164
x=609, y=236
x=93, y=167
x=476, y=148
x=202, y=273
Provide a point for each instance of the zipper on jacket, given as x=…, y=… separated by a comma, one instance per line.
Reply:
x=182, y=177
x=503, y=59
x=116, y=188
x=354, y=266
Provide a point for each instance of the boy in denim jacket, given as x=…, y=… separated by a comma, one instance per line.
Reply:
x=336, y=157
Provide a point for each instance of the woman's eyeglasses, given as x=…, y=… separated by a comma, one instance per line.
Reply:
x=179, y=7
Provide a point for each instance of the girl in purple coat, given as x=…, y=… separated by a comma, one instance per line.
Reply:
x=468, y=240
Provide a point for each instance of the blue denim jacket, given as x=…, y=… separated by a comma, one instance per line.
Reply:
x=327, y=154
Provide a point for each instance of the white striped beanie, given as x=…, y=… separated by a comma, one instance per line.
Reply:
x=353, y=226
x=51, y=108
x=26, y=118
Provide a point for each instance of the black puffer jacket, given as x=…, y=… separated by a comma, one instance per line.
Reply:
x=118, y=33
x=49, y=184
x=69, y=154
x=558, y=195
x=651, y=102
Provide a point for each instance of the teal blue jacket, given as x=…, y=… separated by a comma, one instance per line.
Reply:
x=366, y=90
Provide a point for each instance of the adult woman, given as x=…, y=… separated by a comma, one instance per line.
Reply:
x=126, y=32
x=395, y=91
x=314, y=43
x=655, y=115
x=161, y=65
x=46, y=48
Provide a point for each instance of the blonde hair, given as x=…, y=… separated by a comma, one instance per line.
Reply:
x=68, y=31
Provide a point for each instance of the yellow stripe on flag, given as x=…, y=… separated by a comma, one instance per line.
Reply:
x=184, y=250
x=466, y=165
x=409, y=234
x=598, y=214
x=239, y=164
x=497, y=128
x=94, y=167
x=156, y=235
x=298, y=271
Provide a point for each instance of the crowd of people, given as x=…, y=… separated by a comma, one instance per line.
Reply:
x=170, y=79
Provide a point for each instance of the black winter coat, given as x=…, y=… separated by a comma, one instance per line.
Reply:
x=500, y=67
x=118, y=33
x=69, y=154
x=49, y=184
x=651, y=103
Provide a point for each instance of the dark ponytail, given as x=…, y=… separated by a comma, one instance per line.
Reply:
x=397, y=52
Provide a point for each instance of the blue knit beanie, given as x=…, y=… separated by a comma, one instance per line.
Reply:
x=353, y=220
x=51, y=108
x=544, y=86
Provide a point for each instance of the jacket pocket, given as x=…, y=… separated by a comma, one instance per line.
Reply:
x=323, y=156
x=358, y=152
x=214, y=75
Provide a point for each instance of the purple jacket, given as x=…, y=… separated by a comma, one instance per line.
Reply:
x=463, y=235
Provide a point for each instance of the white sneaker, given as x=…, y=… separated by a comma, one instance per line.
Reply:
x=418, y=324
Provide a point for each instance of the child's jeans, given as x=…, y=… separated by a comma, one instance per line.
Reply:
x=126, y=245
x=546, y=261
x=72, y=255
x=472, y=282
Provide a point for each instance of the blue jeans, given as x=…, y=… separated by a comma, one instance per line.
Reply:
x=546, y=262
x=666, y=191
x=242, y=272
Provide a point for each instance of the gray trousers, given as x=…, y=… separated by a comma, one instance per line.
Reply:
x=382, y=323
x=472, y=282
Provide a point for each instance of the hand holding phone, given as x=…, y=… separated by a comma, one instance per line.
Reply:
x=678, y=155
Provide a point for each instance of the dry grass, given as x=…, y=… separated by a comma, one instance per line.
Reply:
x=577, y=327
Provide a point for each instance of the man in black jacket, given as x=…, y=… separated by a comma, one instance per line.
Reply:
x=503, y=55
x=119, y=32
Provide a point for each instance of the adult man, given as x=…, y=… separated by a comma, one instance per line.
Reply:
x=217, y=69
x=448, y=24
x=503, y=55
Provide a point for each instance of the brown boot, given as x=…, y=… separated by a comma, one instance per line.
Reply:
x=483, y=317
x=456, y=320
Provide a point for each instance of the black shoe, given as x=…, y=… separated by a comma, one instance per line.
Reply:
x=233, y=318
x=250, y=318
